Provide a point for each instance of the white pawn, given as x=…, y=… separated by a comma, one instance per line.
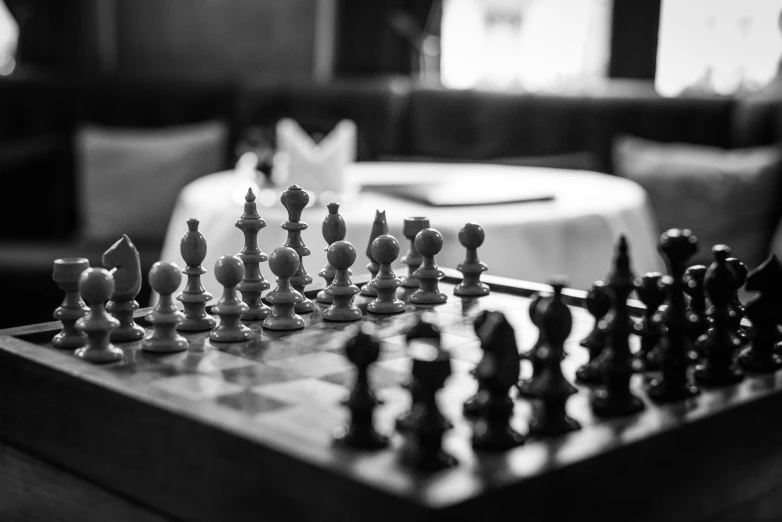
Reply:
x=164, y=278
x=96, y=286
x=229, y=271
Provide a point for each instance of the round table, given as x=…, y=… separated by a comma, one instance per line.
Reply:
x=574, y=234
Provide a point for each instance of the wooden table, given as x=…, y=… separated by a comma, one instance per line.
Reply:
x=181, y=437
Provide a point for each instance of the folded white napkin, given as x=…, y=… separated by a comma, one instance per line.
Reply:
x=317, y=167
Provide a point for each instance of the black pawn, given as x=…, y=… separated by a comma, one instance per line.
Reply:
x=253, y=283
x=385, y=249
x=551, y=387
x=379, y=228
x=164, y=278
x=598, y=303
x=427, y=425
x=496, y=373
x=342, y=255
x=284, y=262
x=423, y=330
x=429, y=242
x=333, y=229
x=194, y=297
x=720, y=342
x=362, y=350
x=651, y=291
x=533, y=355
x=697, y=322
x=229, y=271
x=96, y=286
x=676, y=246
x=765, y=313
x=614, y=397
x=294, y=199
x=741, y=273
x=471, y=236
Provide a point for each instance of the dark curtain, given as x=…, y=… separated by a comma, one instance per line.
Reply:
x=634, y=31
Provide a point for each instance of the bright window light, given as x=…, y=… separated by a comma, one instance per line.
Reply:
x=526, y=44
x=717, y=46
x=9, y=37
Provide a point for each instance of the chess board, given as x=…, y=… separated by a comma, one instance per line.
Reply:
x=242, y=431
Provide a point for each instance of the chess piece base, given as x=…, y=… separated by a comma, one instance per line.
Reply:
x=258, y=313
x=410, y=282
x=552, y=426
x=132, y=332
x=395, y=307
x=490, y=439
x=234, y=335
x=369, y=290
x=109, y=355
x=662, y=391
x=603, y=405
x=283, y=323
x=342, y=314
x=751, y=361
x=324, y=298
x=706, y=376
x=420, y=297
x=304, y=307
x=192, y=324
x=165, y=345
x=361, y=437
x=476, y=290
x=589, y=374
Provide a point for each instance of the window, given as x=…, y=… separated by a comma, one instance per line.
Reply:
x=717, y=46
x=533, y=45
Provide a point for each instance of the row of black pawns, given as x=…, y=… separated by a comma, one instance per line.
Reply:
x=92, y=335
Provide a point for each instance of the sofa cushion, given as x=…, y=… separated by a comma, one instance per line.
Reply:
x=724, y=196
x=129, y=179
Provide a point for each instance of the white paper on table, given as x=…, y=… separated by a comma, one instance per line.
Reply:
x=317, y=167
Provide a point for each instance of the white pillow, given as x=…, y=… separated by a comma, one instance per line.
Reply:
x=129, y=179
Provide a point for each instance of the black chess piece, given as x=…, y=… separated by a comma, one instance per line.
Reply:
x=253, y=283
x=294, y=199
x=362, y=349
x=765, y=313
x=96, y=285
x=537, y=304
x=229, y=271
x=598, y=304
x=741, y=273
x=676, y=246
x=428, y=242
x=379, y=228
x=426, y=423
x=496, y=373
x=284, y=263
x=424, y=328
x=194, y=297
x=412, y=226
x=614, y=397
x=651, y=291
x=720, y=342
x=164, y=278
x=342, y=255
x=66, y=273
x=333, y=229
x=385, y=249
x=471, y=236
x=697, y=322
x=551, y=387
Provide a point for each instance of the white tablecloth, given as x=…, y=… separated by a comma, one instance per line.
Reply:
x=573, y=235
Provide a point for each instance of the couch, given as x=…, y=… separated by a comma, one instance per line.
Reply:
x=42, y=118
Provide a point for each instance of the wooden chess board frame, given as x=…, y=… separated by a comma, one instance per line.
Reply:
x=87, y=443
